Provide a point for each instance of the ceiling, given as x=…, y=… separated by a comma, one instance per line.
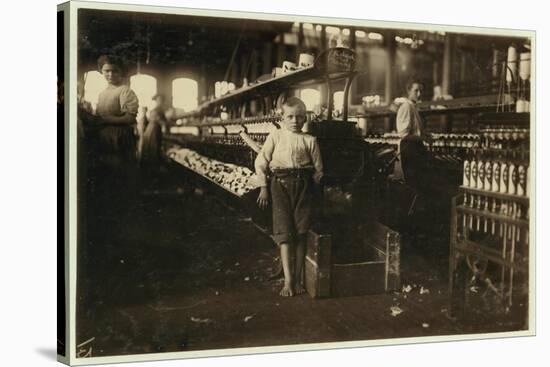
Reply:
x=167, y=39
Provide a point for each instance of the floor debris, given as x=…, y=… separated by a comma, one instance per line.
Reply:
x=201, y=321
x=248, y=318
x=424, y=290
x=395, y=310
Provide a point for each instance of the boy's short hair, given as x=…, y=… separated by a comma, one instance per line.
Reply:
x=413, y=81
x=113, y=60
x=295, y=102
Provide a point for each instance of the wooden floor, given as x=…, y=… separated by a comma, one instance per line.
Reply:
x=183, y=272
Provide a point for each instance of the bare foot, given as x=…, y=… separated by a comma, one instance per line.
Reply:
x=286, y=291
x=299, y=289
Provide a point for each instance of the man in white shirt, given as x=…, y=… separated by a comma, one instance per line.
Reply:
x=408, y=122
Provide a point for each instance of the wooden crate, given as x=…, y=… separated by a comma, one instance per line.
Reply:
x=387, y=243
x=379, y=273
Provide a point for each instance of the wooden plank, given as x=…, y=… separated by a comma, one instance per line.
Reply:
x=496, y=217
x=319, y=249
x=497, y=195
x=318, y=264
x=393, y=261
x=317, y=280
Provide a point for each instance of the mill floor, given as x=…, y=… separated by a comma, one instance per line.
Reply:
x=183, y=272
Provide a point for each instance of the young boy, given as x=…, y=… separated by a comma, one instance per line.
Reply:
x=294, y=161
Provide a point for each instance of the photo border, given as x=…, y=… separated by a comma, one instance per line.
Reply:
x=71, y=57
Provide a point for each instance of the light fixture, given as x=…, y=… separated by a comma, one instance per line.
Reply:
x=345, y=32
x=360, y=34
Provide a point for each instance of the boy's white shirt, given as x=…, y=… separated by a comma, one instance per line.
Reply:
x=408, y=121
x=287, y=149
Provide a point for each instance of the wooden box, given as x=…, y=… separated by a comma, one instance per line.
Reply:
x=377, y=271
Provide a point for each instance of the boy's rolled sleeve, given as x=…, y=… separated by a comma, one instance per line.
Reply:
x=317, y=162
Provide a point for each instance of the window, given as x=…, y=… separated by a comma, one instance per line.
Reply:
x=311, y=98
x=338, y=101
x=94, y=83
x=145, y=87
x=185, y=93
x=332, y=30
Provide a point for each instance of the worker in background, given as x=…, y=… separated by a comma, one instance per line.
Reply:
x=115, y=147
x=151, y=147
x=410, y=129
x=408, y=121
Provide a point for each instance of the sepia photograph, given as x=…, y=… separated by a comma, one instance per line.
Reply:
x=249, y=183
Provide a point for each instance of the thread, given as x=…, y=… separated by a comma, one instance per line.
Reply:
x=511, y=63
x=488, y=176
x=473, y=175
x=522, y=180
x=503, y=178
x=466, y=176
x=496, y=177
x=480, y=174
x=513, y=179
x=520, y=106
x=525, y=65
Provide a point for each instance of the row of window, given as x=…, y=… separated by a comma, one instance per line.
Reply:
x=184, y=91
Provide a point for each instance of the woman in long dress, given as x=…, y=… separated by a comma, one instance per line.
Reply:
x=116, y=142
